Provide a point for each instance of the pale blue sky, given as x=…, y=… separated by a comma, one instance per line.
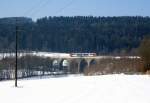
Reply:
x=40, y=8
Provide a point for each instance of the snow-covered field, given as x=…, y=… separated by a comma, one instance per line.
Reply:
x=78, y=89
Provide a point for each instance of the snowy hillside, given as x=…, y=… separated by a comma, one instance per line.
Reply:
x=78, y=89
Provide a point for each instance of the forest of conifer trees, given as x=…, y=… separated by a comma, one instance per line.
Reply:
x=102, y=35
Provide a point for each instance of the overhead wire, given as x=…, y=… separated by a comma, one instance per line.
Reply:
x=36, y=8
x=44, y=4
x=30, y=10
x=67, y=5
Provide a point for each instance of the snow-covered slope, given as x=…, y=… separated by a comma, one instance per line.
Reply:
x=78, y=89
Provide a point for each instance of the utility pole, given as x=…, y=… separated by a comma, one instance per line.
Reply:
x=16, y=67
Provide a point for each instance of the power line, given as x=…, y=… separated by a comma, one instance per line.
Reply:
x=30, y=10
x=44, y=4
x=67, y=5
x=36, y=8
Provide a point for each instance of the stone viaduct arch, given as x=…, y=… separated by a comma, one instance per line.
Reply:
x=93, y=62
x=75, y=65
x=83, y=64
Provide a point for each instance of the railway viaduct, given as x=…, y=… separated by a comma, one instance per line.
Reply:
x=76, y=63
x=80, y=63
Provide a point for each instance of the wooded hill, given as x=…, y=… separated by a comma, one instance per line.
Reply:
x=103, y=35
